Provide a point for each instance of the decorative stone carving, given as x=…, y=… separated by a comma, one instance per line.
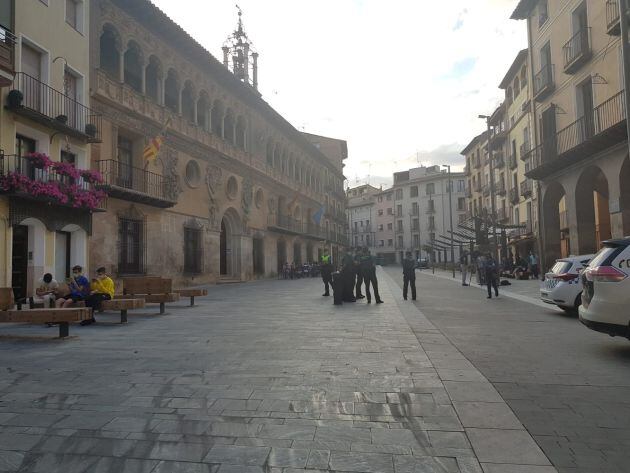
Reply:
x=173, y=186
x=247, y=195
x=213, y=183
x=271, y=205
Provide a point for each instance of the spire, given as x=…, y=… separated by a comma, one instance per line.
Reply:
x=239, y=55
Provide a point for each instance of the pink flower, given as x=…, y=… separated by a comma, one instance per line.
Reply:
x=93, y=177
x=39, y=160
x=66, y=169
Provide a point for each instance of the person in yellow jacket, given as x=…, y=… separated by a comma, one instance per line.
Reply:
x=102, y=289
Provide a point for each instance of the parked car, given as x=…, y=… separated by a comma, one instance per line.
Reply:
x=606, y=297
x=422, y=263
x=562, y=285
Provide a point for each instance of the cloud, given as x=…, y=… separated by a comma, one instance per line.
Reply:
x=461, y=68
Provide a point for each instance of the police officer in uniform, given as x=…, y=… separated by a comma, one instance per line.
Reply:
x=368, y=270
x=327, y=270
x=409, y=276
x=348, y=274
x=359, y=274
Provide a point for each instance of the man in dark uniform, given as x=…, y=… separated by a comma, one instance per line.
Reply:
x=491, y=270
x=327, y=270
x=348, y=277
x=409, y=276
x=359, y=273
x=368, y=270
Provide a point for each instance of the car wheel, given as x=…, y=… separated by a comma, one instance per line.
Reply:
x=578, y=303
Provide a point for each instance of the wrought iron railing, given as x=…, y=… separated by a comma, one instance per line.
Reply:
x=514, y=196
x=543, y=79
x=59, y=109
x=11, y=163
x=137, y=180
x=527, y=187
x=513, y=161
x=499, y=187
x=7, y=49
x=578, y=47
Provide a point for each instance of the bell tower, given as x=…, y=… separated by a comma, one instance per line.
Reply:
x=239, y=55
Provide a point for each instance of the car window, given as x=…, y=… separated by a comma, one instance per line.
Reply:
x=561, y=267
x=584, y=262
x=603, y=255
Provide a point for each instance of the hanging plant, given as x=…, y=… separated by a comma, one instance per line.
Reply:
x=91, y=177
x=39, y=160
x=66, y=169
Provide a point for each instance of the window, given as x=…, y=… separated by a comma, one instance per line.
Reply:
x=388, y=196
x=74, y=14
x=416, y=241
x=461, y=203
x=192, y=250
x=399, y=194
x=380, y=212
x=193, y=173
x=400, y=242
x=367, y=223
x=131, y=246
x=430, y=188
x=543, y=13
x=356, y=241
x=380, y=198
x=416, y=224
x=367, y=240
x=390, y=242
x=380, y=227
x=399, y=224
x=413, y=191
x=431, y=222
x=390, y=211
x=361, y=222
x=431, y=206
x=390, y=226
x=414, y=208
x=356, y=226
x=461, y=185
x=125, y=162
x=431, y=236
x=381, y=243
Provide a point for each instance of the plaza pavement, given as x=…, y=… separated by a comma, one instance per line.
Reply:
x=259, y=377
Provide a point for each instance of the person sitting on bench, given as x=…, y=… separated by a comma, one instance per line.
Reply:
x=102, y=289
x=47, y=290
x=79, y=289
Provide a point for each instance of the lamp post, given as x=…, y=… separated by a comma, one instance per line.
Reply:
x=450, y=212
x=492, y=203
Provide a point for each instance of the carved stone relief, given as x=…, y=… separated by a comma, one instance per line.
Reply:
x=213, y=183
x=173, y=186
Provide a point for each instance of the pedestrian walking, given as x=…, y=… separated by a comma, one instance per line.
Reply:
x=326, y=268
x=368, y=271
x=491, y=274
x=463, y=262
x=358, y=273
x=409, y=276
x=481, y=273
x=533, y=263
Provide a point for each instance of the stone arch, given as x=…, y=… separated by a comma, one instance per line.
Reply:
x=229, y=126
x=203, y=110
x=241, y=132
x=217, y=115
x=230, y=244
x=592, y=210
x=624, y=195
x=556, y=223
x=188, y=102
x=134, y=66
x=171, y=91
x=78, y=247
x=276, y=156
x=517, y=86
x=153, y=78
x=110, y=46
x=29, y=252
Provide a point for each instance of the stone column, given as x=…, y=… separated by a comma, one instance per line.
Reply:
x=246, y=246
x=212, y=254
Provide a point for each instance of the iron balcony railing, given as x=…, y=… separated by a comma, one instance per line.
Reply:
x=612, y=17
x=41, y=102
x=514, y=197
x=526, y=187
x=513, y=161
x=285, y=222
x=502, y=214
x=499, y=160
x=499, y=187
x=137, y=184
x=11, y=163
x=486, y=190
x=577, y=50
x=543, y=81
x=524, y=149
x=7, y=54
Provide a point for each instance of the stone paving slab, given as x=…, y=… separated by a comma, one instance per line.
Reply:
x=259, y=377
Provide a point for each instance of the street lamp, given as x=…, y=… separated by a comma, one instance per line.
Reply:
x=450, y=211
x=492, y=203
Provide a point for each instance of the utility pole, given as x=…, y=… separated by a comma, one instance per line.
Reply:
x=625, y=49
x=492, y=203
x=450, y=212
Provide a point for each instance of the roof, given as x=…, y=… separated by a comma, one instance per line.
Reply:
x=161, y=24
x=523, y=9
x=514, y=69
x=475, y=140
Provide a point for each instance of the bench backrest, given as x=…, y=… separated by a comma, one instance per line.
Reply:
x=146, y=285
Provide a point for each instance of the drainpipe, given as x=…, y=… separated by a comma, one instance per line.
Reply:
x=625, y=49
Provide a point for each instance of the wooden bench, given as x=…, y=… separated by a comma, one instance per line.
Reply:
x=123, y=305
x=63, y=317
x=192, y=293
x=154, y=290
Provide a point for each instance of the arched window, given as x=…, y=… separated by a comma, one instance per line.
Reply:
x=133, y=66
x=228, y=126
x=171, y=91
x=241, y=130
x=523, y=76
x=188, y=102
x=153, y=79
x=270, y=153
x=217, y=118
x=109, y=54
x=203, y=111
x=517, y=87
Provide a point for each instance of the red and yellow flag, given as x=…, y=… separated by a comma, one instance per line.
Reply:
x=152, y=149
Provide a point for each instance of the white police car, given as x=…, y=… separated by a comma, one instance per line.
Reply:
x=606, y=295
x=562, y=285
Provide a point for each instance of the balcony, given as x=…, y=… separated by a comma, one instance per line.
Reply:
x=544, y=82
x=514, y=196
x=499, y=135
x=612, y=18
x=499, y=160
x=431, y=208
x=524, y=149
x=502, y=215
x=577, y=51
x=527, y=188
x=55, y=183
x=589, y=135
x=512, y=161
x=499, y=188
x=137, y=185
x=486, y=191
x=314, y=230
x=7, y=57
x=48, y=106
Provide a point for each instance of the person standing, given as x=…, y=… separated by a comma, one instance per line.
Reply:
x=359, y=274
x=102, y=289
x=348, y=274
x=326, y=270
x=409, y=276
x=491, y=273
x=463, y=261
x=368, y=271
x=533, y=262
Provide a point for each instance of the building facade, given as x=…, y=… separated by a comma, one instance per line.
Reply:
x=385, y=220
x=47, y=133
x=579, y=155
x=361, y=202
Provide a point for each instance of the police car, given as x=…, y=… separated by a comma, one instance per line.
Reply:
x=606, y=295
x=562, y=285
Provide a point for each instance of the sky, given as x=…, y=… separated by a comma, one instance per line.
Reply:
x=402, y=81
